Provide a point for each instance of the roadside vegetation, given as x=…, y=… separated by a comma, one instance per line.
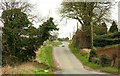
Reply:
x=86, y=62
x=21, y=40
x=104, y=55
x=94, y=34
x=109, y=39
x=46, y=57
x=42, y=64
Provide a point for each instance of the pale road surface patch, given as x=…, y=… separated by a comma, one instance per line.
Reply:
x=68, y=63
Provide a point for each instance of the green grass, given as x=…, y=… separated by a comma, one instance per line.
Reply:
x=46, y=55
x=110, y=70
x=85, y=61
x=46, y=58
x=42, y=71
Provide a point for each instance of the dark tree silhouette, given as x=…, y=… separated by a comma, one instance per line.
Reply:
x=113, y=28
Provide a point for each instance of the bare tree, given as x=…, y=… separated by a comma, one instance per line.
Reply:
x=87, y=13
x=24, y=6
x=12, y=4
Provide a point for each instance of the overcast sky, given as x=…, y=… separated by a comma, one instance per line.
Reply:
x=49, y=8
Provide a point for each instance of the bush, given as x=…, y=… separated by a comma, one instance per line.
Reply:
x=17, y=37
x=92, y=55
x=85, y=52
x=95, y=60
x=20, y=39
x=105, y=61
x=104, y=42
x=109, y=39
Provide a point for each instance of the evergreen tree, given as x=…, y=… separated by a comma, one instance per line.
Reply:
x=45, y=29
x=113, y=28
x=15, y=47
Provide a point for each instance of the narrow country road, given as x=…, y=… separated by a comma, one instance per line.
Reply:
x=68, y=63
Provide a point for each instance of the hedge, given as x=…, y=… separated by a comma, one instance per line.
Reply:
x=104, y=40
x=110, y=35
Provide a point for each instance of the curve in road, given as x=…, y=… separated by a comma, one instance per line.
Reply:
x=68, y=63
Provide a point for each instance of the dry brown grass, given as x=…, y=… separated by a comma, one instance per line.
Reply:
x=24, y=68
x=85, y=52
x=37, y=55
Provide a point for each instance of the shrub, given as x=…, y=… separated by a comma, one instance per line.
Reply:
x=104, y=42
x=20, y=39
x=85, y=52
x=92, y=55
x=105, y=61
x=95, y=60
x=108, y=39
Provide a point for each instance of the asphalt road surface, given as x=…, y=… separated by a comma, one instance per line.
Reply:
x=68, y=63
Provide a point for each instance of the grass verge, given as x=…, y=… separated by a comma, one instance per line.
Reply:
x=46, y=58
x=46, y=55
x=85, y=61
